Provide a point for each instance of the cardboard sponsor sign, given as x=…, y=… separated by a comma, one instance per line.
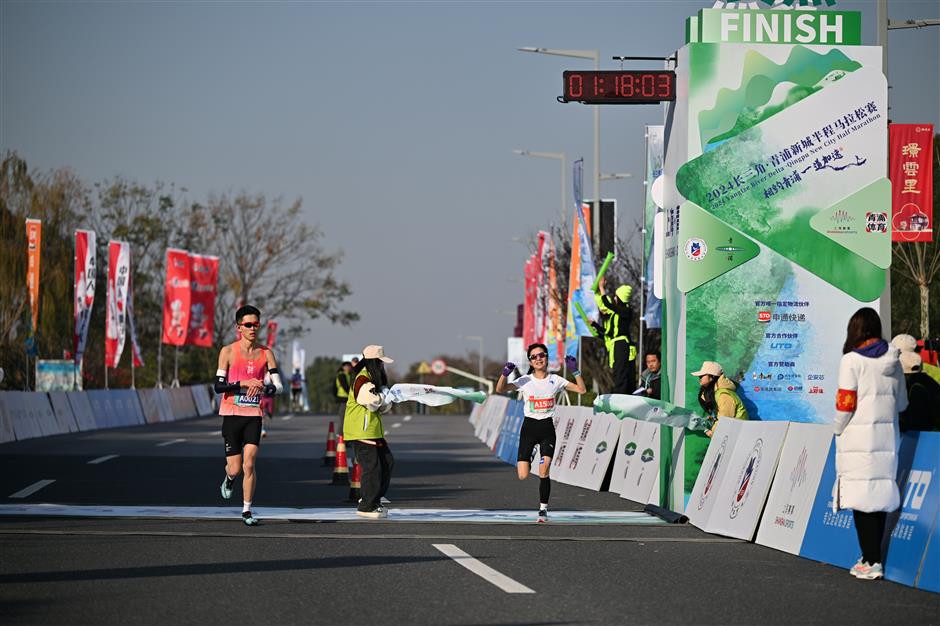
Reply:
x=636, y=460
x=714, y=468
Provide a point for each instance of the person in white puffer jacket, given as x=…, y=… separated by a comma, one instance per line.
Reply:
x=871, y=394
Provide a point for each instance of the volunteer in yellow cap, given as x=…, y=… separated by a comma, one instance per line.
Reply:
x=616, y=318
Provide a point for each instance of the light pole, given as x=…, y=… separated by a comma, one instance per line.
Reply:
x=596, y=56
x=480, y=339
x=550, y=155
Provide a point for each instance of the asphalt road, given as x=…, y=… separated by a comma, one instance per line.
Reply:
x=83, y=570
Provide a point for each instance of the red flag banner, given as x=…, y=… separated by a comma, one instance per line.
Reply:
x=85, y=272
x=911, y=172
x=33, y=247
x=204, y=275
x=272, y=333
x=177, y=297
x=119, y=269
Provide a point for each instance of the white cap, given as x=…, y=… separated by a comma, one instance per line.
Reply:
x=375, y=352
x=711, y=368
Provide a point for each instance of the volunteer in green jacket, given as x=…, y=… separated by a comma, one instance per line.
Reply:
x=363, y=429
x=717, y=395
x=341, y=387
x=616, y=317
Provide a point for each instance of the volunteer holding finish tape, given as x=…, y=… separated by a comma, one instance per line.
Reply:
x=540, y=390
x=242, y=369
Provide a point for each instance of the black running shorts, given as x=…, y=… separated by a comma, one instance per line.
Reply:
x=541, y=432
x=238, y=430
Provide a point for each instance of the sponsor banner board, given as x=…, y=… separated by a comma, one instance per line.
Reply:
x=597, y=442
x=794, y=487
x=57, y=375
x=636, y=462
x=569, y=422
x=714, y=468
x=751, y=466
x=911, y=173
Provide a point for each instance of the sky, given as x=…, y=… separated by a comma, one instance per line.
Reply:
x=395, y=123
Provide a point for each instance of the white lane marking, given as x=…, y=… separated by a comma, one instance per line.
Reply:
x=396, y=425
x=215, y=433
x=103, y=459
x=482, y=570
x=36, y=486
x=170, y=442
x=407, y=418
x=288, y=416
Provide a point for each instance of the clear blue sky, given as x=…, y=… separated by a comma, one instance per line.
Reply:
x=395, y=122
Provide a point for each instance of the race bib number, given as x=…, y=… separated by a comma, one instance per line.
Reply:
x=541, y=405
x=254, y=401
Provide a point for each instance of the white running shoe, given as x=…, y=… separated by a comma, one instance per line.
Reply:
x=385, y=500
x=864, y=571
x=376, y=514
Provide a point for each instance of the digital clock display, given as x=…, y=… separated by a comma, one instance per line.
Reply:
x=619, y=87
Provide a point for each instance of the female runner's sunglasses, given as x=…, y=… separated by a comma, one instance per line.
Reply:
x=536, y=357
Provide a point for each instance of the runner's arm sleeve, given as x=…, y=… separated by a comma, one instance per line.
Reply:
x=276, y=386
x=222, y=385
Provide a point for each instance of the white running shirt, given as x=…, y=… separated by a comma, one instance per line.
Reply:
x=539, y=394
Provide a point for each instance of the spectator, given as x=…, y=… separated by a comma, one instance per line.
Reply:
x=871, y=393
x=341, y=386
x=923, y=394
x=616, y=318
x=650, y=377
x=717, y=395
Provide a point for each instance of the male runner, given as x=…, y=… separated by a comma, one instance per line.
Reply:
x=242, y=367
x=296, y=390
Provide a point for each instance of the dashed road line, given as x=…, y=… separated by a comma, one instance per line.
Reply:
x=407, y=418
x=170, y=442
x=288, y=416
x=396, y=425
x=36, y=486
x=103, y=459
x=481, y=569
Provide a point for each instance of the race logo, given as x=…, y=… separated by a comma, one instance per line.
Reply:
x=695, y=249
x=746, y=478
x=630, y=449
x=876, y=222
x=712, y=472
x=763, y=316
x=647, y=455
x=601, y=447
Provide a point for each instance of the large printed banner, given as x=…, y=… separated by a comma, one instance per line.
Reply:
x=204, y=276
x=177, y=297
x=911, y=173
x=652, y=316
x=33, y=248
x=85, y=268
x=119, y=272
x=636, y=461
x=777, y=215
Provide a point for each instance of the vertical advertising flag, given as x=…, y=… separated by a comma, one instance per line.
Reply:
x=296, y=360
x=33, y=247
x=652, y=316
x=528, y=318
x=119, y=266
x=272, y=334
x=132, y=326
x=556, y=332
x=582, y=272
x=204, y=274
x=177, y=297
x=911, y=172
x=85, y=268
x=541, y=289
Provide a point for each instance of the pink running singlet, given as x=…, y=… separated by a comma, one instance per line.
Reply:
x=243, y=368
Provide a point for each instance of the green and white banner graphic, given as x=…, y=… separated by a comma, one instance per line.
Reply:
x=430, y=395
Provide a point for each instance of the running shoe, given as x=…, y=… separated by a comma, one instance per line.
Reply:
x=385, y=500
x=543, y=516
x=249, y=519
x=864, y=571
x=383, y=512
x=264, y=433
x=226, y=488
x=374, y=514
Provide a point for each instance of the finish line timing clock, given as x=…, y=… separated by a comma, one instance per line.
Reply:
x=619, y=86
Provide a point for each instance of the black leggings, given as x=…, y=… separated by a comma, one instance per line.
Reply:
x=871, y=529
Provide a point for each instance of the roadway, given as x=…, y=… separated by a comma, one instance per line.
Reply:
x=195, y=567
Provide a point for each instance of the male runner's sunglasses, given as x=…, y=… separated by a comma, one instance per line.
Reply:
x=252, y=325
x=538, y=357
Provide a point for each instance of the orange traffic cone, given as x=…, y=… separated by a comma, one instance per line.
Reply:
x=340, y=470
x=329, y=458
x=354, y=481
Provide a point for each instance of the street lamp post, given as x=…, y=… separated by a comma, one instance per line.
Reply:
x=480, y=339
x=596, y=56
x=550, y=155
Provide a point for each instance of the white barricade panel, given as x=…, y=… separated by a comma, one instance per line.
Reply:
x=81, y=409
x=636, y=462
x=101, y=408
x=567, y=437
x=181, y=401
x=6, y=419
x=497, y=412
x=475, y=415
x=129, y=412
x=201, y=399
x=793, y=491
x=150, y=404
x=63, y=411
x=39, y=406
x=24, y=417
x=713, y=471
x=742, y=493
x=594, y=451
x=166, y=408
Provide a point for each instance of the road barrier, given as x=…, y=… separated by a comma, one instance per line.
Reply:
x=636, y=460
x=27, y=414
x=201, y=400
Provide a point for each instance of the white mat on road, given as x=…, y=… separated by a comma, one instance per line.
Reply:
x=335, y=514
